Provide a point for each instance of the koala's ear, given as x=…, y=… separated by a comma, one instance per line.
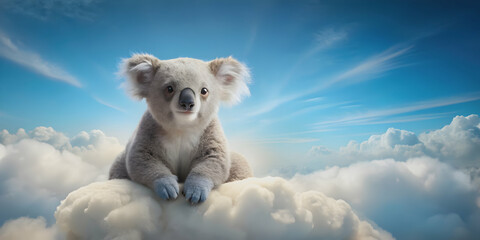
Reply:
x=139, y=71
x=233, y=77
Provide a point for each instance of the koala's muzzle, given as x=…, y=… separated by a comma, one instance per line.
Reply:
x=186, y=99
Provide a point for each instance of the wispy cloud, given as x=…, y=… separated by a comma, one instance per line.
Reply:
x=369, y=68
x=375, y=116
x=351, y=106
x=309, y=109
x=9, y=116
x=316, y=99
x=251, y=39
x=411, y=118
x=109, y=105
x=282, y=140
x=324, y=39
x=44, y=9
x=34, y=62
x=365, y=70
x=327, y=38
x=271, y=105
x=304, y=132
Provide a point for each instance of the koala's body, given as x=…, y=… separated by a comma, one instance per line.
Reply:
x=179, y=138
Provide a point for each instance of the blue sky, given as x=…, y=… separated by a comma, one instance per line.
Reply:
x=400, y=78
x=324, y=72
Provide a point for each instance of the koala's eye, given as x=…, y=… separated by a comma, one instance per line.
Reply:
x=170, y=89
x=204, y=92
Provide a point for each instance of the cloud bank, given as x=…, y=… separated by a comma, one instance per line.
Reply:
x=457, y=144
x=39, y=168
x=256, y=208
x=422, y=186
x=420, y=198
x=416, y=187
x=28, y=228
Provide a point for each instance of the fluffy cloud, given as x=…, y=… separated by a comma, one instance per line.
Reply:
x=27, y=228
x=428, y=186
x=457, y=143
x=41, y=134
x=421, y=198
x=266, y=208
x=96, y=148
x=93, y=147
x=39, y=168
x=416, y=194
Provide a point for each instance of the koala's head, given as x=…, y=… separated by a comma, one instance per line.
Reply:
x=185, y=92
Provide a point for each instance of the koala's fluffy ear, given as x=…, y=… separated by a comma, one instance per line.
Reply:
x=233, y=77
x=139, y=71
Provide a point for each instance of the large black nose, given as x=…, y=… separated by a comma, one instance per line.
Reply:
x=187, y=99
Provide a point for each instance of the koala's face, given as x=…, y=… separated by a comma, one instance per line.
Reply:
x=185, y=92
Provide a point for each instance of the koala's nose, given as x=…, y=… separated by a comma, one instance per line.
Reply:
x=187, y=99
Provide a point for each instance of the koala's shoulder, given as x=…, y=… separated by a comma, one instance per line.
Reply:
x=147, y=129
x=213, y=132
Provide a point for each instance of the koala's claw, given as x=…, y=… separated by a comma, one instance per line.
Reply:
x=166, y=187
x=197, y=188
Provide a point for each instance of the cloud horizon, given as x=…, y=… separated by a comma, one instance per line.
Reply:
x=393, y=172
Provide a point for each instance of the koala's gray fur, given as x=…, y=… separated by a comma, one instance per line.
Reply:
x=171, y=141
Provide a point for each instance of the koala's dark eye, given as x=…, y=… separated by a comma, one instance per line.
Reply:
x=170, y=89
x=204, y=92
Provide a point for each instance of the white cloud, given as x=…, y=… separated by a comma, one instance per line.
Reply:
x=33, y=166
x=439, y=201
x=34, y=62
x=394, y=143
x=93, y=147
x=39, y=168
x=267, y=208
x=412, y=197
x=420, y=198
x=457, y=143
x=7, y=138
x=96, y=148
x=27, y=228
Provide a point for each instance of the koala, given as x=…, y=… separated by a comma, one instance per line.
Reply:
x=179, y=138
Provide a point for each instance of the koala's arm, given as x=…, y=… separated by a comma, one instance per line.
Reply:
x=212, y=159
x=146, y=163
x=211, y=165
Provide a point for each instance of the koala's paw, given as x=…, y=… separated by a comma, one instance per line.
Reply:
x=196, y=189
x=166, y=187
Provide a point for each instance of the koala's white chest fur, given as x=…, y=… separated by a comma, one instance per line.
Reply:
x=180, y=150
